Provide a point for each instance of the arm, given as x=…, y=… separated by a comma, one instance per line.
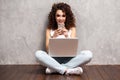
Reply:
x=73, y=34
x=47, y=38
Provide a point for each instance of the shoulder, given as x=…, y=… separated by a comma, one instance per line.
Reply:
x=73, y=32
x=48, y=30
x=73, y=29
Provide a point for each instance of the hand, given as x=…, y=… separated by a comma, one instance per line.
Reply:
x=62, y=31
x=65, y=32
x=57, y=33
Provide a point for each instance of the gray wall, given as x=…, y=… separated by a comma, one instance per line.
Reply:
x=23, y=23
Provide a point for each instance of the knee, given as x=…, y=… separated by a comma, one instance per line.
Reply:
x=87, y=54
x=39, y=53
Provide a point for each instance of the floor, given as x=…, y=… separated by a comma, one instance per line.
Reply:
x=36, y=72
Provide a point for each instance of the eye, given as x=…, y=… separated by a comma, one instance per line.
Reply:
x=58, y=15
x=63, y=15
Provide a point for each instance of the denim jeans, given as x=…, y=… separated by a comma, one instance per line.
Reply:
x=60, y=64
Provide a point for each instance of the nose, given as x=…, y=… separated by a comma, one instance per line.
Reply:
x=61, y=18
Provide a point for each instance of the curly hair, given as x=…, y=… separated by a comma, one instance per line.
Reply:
x=70, y=19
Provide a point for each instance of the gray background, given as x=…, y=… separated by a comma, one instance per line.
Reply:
x=23, y=23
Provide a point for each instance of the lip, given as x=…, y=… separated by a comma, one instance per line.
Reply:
x=60, y=22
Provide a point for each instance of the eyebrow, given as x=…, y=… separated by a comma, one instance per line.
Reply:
x=59, y=15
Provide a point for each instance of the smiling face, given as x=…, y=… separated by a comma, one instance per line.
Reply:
x=60, y=17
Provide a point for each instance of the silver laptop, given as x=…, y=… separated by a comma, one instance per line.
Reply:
x=63, y=47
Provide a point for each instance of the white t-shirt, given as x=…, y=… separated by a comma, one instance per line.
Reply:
x=60, y=36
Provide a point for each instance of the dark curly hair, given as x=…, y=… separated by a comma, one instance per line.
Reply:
x=70, y=20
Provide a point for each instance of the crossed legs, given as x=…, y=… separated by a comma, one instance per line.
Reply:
x=46, y=60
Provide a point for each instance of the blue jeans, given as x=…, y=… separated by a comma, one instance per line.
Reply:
x=60, y=64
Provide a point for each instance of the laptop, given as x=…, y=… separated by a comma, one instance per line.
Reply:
x=63, y=47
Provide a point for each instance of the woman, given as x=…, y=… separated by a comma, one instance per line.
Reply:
x=62, y=25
